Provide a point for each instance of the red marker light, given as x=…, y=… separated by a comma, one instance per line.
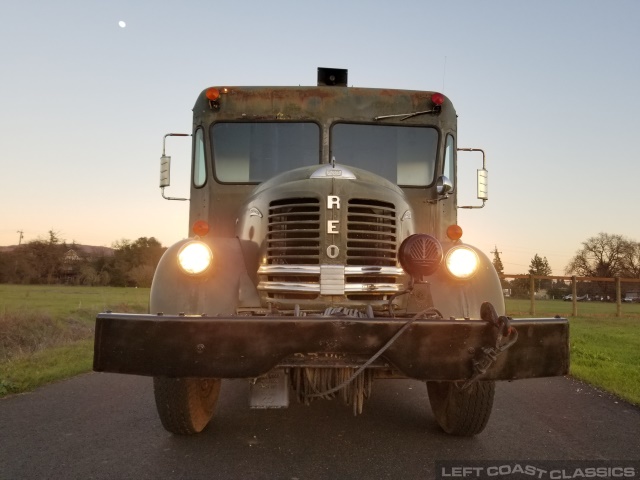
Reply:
x=437, y=98
x=454, y=232
x=213, y=94
x=200, y=228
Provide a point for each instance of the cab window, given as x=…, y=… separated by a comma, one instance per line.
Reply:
x=252, y=152
x=404, y=155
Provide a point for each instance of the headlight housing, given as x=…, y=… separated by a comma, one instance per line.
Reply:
x=462, y=262
x=195, y=258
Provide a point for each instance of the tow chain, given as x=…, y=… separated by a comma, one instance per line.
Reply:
x=489, y=354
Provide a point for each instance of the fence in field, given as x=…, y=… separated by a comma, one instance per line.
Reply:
x=574, y=281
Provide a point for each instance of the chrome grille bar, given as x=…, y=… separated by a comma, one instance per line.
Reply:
x=315, y=270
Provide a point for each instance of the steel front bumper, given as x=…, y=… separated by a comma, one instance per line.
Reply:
x=244, y=347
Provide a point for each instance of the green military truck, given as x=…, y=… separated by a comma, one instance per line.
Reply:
x=323, y=253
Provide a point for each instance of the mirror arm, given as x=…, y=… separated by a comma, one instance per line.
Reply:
x=172, y=198
x=473, y=206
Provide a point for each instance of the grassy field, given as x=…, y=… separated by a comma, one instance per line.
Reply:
x=63, y=301
x=46, y=334
x=605, y=349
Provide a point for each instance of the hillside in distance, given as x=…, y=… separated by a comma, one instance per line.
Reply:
x=88, y=250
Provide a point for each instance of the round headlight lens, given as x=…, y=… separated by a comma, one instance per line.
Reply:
x=462, y=262
x=195, y=258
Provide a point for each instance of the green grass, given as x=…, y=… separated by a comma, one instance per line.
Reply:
x=27, y=372
x=46, y=332
x=59, y=301
x=605, y=349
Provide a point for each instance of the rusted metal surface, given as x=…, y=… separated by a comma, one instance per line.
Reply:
x=244, y=347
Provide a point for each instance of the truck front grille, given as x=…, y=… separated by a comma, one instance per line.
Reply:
x=297, y=270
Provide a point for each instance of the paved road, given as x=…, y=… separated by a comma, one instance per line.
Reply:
x=105, y=426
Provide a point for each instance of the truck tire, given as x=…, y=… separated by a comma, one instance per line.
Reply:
x=461, y=412
x=185, y=405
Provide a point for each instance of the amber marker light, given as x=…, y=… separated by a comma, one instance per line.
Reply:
x=437, y=98
x=200, y=228
x=454, y=232
x=213, y=94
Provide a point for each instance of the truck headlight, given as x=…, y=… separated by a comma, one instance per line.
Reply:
x=462, y=262
x=195, y=258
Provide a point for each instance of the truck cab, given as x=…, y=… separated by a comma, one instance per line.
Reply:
x=324, y=252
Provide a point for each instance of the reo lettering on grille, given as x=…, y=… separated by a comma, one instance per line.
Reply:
x=333, y=201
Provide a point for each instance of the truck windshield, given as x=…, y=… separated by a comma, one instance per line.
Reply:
x=403, y=155
x=255, y=152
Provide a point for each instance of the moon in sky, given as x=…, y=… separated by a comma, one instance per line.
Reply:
x=122, y=24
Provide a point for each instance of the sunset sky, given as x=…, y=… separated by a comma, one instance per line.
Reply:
x=549, y=89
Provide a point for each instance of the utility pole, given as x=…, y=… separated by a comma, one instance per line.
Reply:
x=21, y=235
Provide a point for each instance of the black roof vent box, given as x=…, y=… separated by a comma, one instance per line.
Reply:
x=332, y=77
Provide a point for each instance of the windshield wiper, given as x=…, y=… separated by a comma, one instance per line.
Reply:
x=406, y=115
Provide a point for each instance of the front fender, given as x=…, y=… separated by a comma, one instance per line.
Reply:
x=216, y=292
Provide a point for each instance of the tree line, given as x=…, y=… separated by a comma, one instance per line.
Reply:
x=53, y=261
x=132, y=263
x=604, y=255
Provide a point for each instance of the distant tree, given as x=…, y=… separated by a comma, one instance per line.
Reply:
x=604, y=255
x=38, y=261
x=558, y=289
x=540, y=266
x=520, y=288
x=87, y=275
x=142, y=275
x=6, y=267
x=631, y=260
x=47, y=260
x=497, y=264
x=105, y=278
x=133, y=263
x=600, y=256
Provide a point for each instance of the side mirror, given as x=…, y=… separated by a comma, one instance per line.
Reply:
x=483, y=184
x=443, y=185
x=482, y=179
x=165, y=166
x=165, y=171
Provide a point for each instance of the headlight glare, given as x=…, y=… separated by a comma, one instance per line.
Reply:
x=195, y=258
x=462, y=262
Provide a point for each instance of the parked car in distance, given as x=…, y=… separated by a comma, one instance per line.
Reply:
x=583, y=298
